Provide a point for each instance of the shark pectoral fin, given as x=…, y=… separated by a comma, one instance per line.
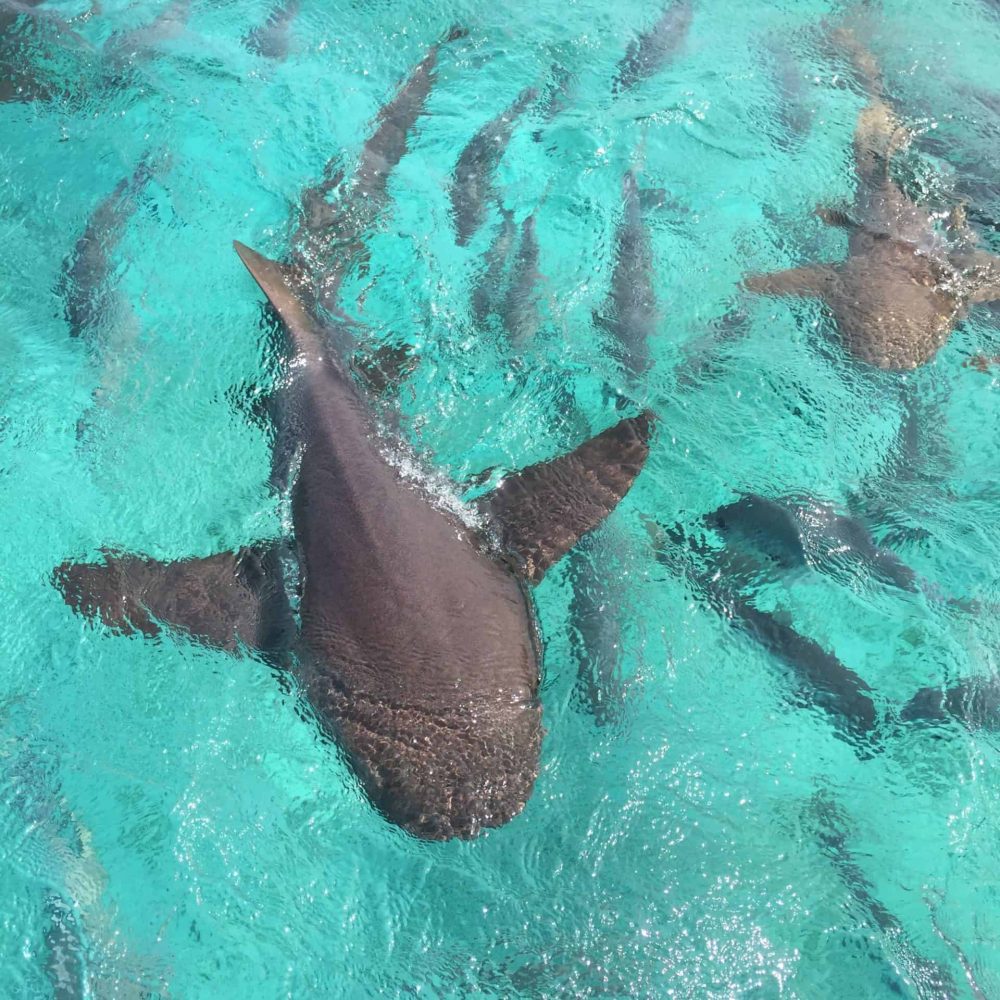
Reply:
x=542, y=511
x=811, y=280
x=224, y=600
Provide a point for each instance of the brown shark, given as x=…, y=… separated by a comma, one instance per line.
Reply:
x=471, y=188
x=904, y=285
x=487, y=294
x=632, y=313
x=139, y=43
x=416, y=644
x=830, y=825
x=86, y=272
x=95, y=309
x=655, y=48
x=271, y=39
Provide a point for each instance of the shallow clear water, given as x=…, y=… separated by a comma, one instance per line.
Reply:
x=719, y=835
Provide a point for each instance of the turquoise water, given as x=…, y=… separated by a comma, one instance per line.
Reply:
x=716, y=837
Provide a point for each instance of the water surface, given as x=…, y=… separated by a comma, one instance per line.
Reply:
x=719, y=836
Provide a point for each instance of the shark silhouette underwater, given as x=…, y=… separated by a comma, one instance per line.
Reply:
x=764, y=539
x=416, y=644
x=904, y=284
x=42, y=58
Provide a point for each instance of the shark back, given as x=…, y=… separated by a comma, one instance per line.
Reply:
x=417, y=646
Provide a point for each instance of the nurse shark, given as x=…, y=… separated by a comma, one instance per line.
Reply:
x=471, y=188
x=655, y=48
x=904, y=284
x=41, y=57
x=632, y=312
x=764, y=536
x=87, y=271
x=271, y=39
x=416, y=644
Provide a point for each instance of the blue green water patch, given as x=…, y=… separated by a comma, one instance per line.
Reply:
x=175, y=811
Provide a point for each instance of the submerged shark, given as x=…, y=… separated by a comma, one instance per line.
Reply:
x=653, y=49
x=929, y=978
x=510, y=285
x=818, y=676
x=472, y=185
x=328, y=239
x=41, y=57
x=84, y=950
x=138, y=43
x=763, y=535
x=904, y=285
x=599, y=599
x=271, y=39
x=791, y=110
x=487, y=295
x=416, y=644
x=632, y=311
x=96, y=311
x=795, y=532
x=86, y=272
x=520, y=305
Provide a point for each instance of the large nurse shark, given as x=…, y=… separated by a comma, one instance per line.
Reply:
x=904, y=284
x=415, y=642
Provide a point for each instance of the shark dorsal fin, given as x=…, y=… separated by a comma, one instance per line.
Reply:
x=542, y=511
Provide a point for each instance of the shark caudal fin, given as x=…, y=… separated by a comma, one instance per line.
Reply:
x=542, y=511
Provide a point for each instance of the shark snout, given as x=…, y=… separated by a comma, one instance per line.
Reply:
x=450, y=775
